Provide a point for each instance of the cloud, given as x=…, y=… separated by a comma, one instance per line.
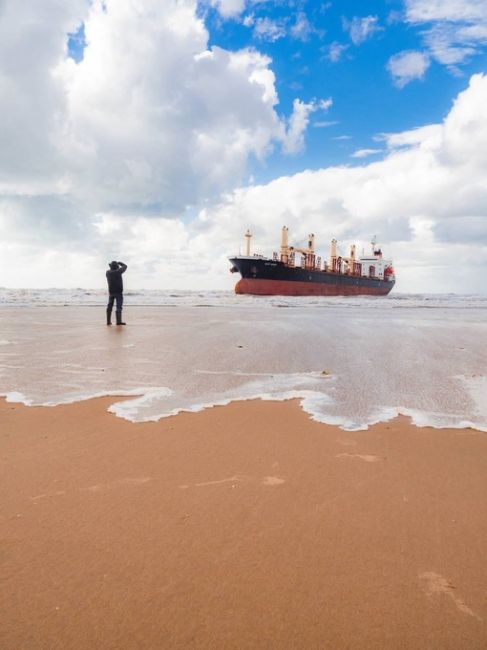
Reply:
x=420, y=11
x=365, y=153
x=267, y=29
x=335, y=51
x=407, y=66
x=229, y=8
x=426, y=136
x=448, y=45
x=456, y=29
x=302, y=28
x=32, y=42
x=298, y=123
x=150, y=120
x=361, y=29
x=273, y=29
x=178, y=121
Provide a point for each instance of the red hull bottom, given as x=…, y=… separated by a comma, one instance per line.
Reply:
x=286, y=288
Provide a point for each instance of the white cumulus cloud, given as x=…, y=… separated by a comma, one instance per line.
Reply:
x=150, y=121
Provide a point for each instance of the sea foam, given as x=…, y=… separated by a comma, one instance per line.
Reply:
x=350, y=362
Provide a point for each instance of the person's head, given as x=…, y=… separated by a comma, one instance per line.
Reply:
x=113, y=266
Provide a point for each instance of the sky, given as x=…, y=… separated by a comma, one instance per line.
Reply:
x=156, y=132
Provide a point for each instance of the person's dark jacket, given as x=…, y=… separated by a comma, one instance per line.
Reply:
x=114, y=278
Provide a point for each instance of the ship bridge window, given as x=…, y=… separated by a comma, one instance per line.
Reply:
x=371, y=271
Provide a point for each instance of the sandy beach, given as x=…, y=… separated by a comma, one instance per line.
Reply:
x=244, y=526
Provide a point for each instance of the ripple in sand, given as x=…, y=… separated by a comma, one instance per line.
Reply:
x=272, y=480
x=368, y=458
x=231, y=479
x=101, y=487
x=267, y=480
x=48, y=495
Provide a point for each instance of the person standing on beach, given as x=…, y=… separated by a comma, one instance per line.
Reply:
x=115, y=290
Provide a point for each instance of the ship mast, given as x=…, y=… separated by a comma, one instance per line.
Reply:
x=333, y=255
x=248, y=237
x=284, y=245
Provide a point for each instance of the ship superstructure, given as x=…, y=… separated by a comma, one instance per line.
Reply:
x=339, y=275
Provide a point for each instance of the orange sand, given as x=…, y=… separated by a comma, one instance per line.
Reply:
x=246, y=526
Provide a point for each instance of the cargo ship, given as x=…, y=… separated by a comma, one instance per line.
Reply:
x=339, y=276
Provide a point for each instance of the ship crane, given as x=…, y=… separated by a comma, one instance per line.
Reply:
x=354, y=267
x=336, y=261
x=308, y=253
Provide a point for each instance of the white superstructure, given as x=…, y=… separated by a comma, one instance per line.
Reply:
x=374, y=265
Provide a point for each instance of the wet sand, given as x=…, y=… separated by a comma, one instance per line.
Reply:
x=245, y=526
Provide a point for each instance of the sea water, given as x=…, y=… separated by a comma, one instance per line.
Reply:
x=351, y=361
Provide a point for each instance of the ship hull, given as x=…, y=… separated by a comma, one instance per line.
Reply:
x=265, y=277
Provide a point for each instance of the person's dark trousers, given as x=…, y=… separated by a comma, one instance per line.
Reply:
x=118, y=298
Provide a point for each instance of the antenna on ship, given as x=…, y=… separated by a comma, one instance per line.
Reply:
x=376, y=251
x=248, y=237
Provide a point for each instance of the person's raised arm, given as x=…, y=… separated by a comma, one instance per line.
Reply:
x=122, y=267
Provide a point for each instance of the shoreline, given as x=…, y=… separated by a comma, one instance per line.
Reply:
x=415, y=418
x=241, y=526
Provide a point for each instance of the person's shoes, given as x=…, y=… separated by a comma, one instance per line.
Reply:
x=119, y=318
x=109, y=316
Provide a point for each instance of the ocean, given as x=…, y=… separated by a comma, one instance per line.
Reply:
x=351, y=361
